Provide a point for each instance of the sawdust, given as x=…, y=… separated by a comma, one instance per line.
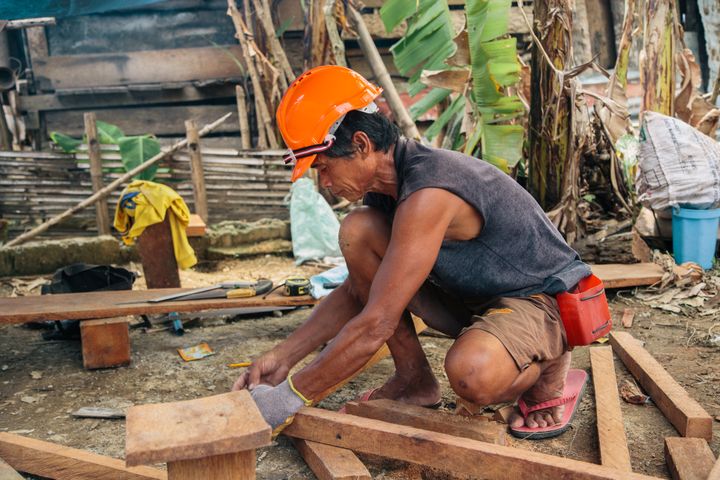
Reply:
x=42, y=383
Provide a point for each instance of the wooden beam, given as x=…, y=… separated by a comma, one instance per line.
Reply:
x=618, y=275
x=428, y=419
x=462, y=456
x=56, y=461
x=102, y=217
x=331, y=463
x=614, y=452
x=686, y=415
x=196, y=170
x=151, y=66
x=688, y=458
x=124, y=98
x=9, y=473
x=194, y=429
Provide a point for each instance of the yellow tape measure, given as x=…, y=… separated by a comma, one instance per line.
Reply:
x=296, y=286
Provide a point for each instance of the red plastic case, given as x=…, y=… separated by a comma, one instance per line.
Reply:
x=584, y=312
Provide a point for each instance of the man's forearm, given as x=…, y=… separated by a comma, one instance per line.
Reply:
x=325, y=321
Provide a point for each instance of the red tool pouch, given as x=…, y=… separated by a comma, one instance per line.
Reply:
x=584, y=312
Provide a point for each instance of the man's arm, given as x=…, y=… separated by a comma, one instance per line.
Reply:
x=419, y=227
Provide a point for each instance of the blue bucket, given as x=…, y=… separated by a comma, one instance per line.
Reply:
x=694, y=235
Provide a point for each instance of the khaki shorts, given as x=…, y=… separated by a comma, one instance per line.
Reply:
x=528, y=327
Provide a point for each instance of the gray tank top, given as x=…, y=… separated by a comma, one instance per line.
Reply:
x=519, y=252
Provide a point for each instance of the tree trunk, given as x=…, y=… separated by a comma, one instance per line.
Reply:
x=550, y=135
x=657, y=59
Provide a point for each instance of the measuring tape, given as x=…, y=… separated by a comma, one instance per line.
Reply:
x=296, y=286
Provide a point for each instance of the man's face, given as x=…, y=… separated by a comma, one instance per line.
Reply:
x=347, y=177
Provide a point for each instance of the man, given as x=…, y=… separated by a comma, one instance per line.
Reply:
x=445, y=236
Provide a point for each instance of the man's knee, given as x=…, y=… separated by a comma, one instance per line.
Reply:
x=478, y=370
x=364, y=230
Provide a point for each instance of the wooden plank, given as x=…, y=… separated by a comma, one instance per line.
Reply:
x=105, y=342
x=331, y=463
x=83, y=306
x=9, y=473
x=152, y=66
x=686, y=415
x=428, y=419
x=139, y=121
x=614, y=452
x=37, y=43
x=196, y=227
x=56, y=461
x=232, y=466
x=618, y=275
x=688, y=458
x=462, y=456
x=193, y=429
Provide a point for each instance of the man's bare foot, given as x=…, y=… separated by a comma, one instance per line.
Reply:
x=549, y=386
x=422, y=389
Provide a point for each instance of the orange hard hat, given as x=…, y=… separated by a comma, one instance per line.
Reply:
x=314, y=106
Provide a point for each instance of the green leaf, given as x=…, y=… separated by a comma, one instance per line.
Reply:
x=135, y=151
x=108, y=133
x=393, y=12
x=433, y=97
x=66, y=143
x=456, y=106
x=284, y=26
x=503, y=142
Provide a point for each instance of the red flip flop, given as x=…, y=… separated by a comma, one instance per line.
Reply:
x=364, y=397
x=572, y=395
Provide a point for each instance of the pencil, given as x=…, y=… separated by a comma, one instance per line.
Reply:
x=239, y=365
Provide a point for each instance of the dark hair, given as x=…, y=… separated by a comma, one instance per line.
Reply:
x=377, y=126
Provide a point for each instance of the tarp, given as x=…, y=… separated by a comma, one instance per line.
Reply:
x=18, y=9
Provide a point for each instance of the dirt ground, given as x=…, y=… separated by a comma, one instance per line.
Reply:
x=42, y=382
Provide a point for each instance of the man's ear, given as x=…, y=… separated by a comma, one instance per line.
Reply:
x=364, y=146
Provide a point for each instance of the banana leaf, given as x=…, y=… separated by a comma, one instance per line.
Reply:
x=135, y=151
x=434, y=96
x=108, y=133
x=66, y=143
x=455, y=107
x=393, y=12
x=503, y=142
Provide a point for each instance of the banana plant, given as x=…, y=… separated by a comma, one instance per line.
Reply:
x=134, y=150
x=469, y=72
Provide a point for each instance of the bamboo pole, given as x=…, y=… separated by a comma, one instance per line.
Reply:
x=266, y=135
x=242, y=117
x=263, y=10
x=196, y=170
x=99, y=195
x=337, y=46
x=380, y=71
x=102, y=217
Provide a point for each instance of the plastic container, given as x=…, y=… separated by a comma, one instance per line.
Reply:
x=584, y=312
x=695, y=235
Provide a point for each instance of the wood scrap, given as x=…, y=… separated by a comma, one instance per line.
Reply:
x=614, y=452
x=462, y=456
x=617, y=275
x=56, y=461
x=686, y=415
x=98, y=412
x=331, y=463
x=627, y=317
x=243, y=117
x=428, y=419
x=197, y=173
x=688, y=458
x=101, y=194
x=630, y=392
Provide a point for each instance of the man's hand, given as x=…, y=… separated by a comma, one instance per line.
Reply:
x=278, y=405
x=268, y=369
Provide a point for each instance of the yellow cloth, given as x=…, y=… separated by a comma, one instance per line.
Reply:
x=134, y=213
